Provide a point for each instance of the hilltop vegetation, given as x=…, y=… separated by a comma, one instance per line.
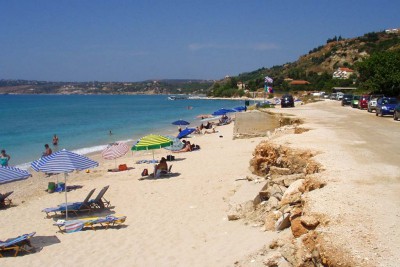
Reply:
x=374, y=57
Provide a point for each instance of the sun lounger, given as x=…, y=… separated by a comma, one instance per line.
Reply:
x=4, y=200
x=100, y=202
x=166, y=173
x=77, y=225
x=18, y=244
x=74, y=207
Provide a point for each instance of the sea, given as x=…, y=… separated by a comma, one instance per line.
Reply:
x=83, y=122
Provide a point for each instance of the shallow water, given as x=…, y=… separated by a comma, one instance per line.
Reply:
x=83, y=122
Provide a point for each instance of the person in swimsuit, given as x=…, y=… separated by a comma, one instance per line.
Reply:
x=55, y=140
x=47, y=151
x=4, y=158
x=162, y=167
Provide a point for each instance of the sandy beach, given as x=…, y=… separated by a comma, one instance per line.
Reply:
x=176, y=221
x=182, y=220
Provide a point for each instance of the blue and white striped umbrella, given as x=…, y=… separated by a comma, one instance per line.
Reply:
x=11, y=174
x=63, y=161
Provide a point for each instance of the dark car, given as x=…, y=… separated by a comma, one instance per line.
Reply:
x=385, y=106
x=287, y=101
x=396, y=114
x=346, y=100
x=363, y=102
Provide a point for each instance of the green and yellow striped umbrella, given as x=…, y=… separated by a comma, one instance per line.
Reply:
x=152, y=141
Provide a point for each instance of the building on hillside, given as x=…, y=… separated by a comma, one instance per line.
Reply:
x=299, y=82
x=241, y=85
x=342, y=73
x=392, y=30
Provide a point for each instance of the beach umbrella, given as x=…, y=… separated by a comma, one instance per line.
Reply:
x=223, y=111
x=240, y=108
x=185, y=132
x=11, y=174
x=176, y=145
x=63, y=161
x=180, y=122
x=152, y=142
x=114, y=151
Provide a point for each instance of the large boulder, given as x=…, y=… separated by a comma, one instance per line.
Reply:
x=293, y=193
x=309, y=222
x=297, y=227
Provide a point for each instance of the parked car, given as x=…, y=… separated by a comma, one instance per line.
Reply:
x=287, y=101
x=372, y=102
x=385, y=106
x=333, y=96
x=354, y=101
x=363, y=102
x=346, y=100
x=396, y=114
x=339, y=96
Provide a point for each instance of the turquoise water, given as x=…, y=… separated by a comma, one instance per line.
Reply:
x=83, y=122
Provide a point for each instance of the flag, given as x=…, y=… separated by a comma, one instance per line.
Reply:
x=268, y=79
x=268, y=89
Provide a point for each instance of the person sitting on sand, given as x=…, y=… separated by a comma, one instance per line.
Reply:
x=162, y=167
x=197, y=131
x=208, y=125
x=47, y=151
x=211, y=132
x=186, y=148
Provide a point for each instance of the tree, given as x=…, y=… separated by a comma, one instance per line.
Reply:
x=380, y=73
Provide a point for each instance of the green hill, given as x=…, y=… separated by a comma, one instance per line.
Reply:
x=318, y=66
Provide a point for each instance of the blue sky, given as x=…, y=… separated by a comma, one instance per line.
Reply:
x=103, y=40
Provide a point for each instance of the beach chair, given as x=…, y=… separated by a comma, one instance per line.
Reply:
x=4, y=200
x=18, y=244
x=74, y=207
x=77, y=225
x=100, y=202
x=166, y=173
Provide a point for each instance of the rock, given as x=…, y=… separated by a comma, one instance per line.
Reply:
x=293, y=193
x=309, y=222
x=276, y=191
x=249, y=178
x=233, y=214
x=272, y=203
x=288, y=252
x=272, y=259
x=283, y=222
x=296, y=212
x=283, y=263
x=269, y=222
x=280, y=171
x=297, y=228
x=289, y=179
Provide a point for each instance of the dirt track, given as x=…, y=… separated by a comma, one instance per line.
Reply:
x=361, y=154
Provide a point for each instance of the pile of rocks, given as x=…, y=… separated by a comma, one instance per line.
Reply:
x=288, y=175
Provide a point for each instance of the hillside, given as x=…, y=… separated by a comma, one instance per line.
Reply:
x=145, y=87
x=317, y=66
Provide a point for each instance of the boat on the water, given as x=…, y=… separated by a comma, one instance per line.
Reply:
x=172, y=97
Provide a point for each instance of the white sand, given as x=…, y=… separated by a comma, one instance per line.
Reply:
x=177, y=221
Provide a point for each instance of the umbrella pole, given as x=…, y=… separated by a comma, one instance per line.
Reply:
x=66, y=201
